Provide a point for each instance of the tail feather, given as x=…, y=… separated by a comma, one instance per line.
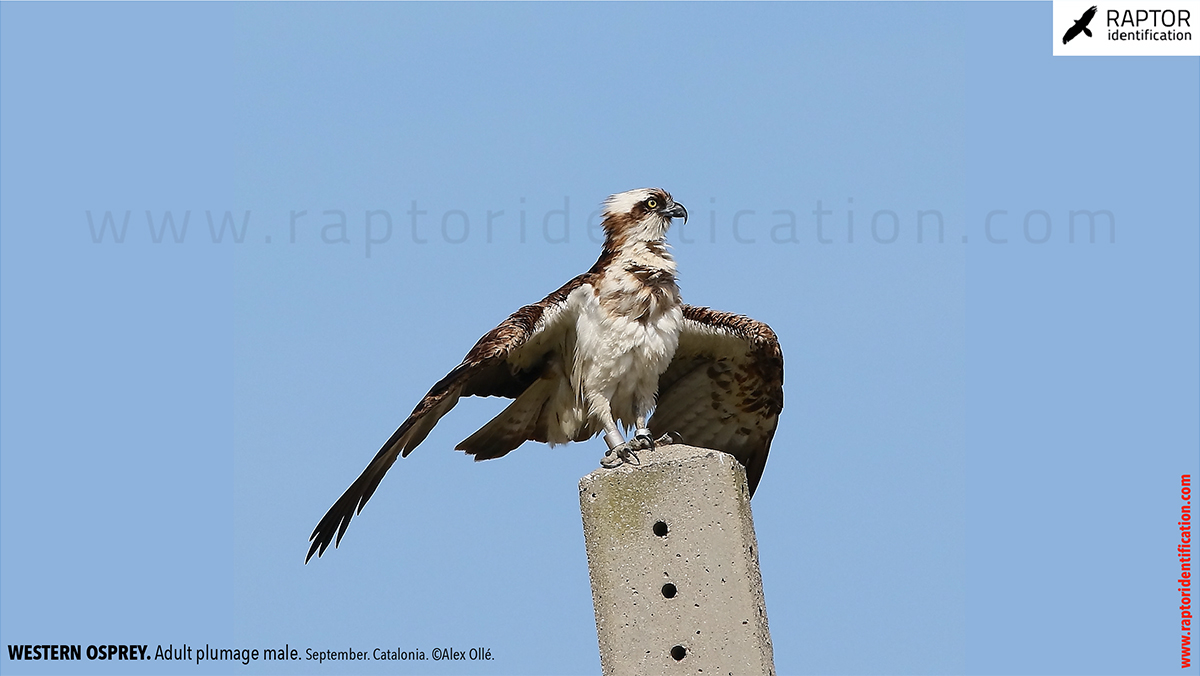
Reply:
x=513, y=427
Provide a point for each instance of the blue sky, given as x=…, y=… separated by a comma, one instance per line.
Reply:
x=978, y=463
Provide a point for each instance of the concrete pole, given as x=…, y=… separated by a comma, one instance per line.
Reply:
x=674, y=566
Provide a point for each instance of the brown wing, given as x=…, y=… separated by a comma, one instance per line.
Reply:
x=724, y=388
x=504, y=363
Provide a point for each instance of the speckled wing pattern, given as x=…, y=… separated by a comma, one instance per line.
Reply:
x=486, y=371
x=724, y=388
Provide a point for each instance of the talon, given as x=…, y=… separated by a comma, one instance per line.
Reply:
x=619, y=455
x=610, y=460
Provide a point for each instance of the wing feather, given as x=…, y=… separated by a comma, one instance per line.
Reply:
x=504, y=362
x=724, y=387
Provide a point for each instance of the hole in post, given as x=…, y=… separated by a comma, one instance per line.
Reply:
x=678, y=652
x=669, y=590
x=660, y=529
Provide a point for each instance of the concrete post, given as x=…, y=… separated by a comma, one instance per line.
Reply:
x=674, y=566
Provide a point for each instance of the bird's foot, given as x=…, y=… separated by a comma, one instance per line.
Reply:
x=619, y=455
x=641, y=441
x=626, y=453
x=668, y=439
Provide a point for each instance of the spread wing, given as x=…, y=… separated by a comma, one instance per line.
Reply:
x=504, y=363
x=724, y=388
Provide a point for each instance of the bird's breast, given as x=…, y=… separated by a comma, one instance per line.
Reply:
x=627, y=338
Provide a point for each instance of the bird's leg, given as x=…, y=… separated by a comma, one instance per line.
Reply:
x=619, y=450
x=642, y=435
x=645, y=438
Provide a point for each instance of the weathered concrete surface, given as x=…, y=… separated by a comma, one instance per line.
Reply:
x=716, y=621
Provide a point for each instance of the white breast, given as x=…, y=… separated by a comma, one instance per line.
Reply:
x=620, y=356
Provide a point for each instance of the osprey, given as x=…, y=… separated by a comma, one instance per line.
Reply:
x=604, y=351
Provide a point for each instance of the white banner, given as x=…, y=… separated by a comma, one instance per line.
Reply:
x=1128, y=28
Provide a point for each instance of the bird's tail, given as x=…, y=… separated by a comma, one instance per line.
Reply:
x=1087, y=31
x=514, y=425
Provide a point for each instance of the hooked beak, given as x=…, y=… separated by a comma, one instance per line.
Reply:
x=678, y=211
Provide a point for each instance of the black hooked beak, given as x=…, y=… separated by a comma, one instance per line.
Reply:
x=678, y=211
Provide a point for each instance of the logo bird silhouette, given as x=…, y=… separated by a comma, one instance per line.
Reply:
x=1081, y=26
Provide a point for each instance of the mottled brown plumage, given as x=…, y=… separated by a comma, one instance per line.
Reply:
x=724, y=388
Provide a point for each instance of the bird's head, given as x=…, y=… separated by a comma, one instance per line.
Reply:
x=641, y=215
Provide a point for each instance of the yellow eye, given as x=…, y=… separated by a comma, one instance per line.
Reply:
x=652, y=203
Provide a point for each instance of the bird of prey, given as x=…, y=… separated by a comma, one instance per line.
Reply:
x=608, y=348
x=1080, y=26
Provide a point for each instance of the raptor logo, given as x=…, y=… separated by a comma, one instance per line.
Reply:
x=1081, y=25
